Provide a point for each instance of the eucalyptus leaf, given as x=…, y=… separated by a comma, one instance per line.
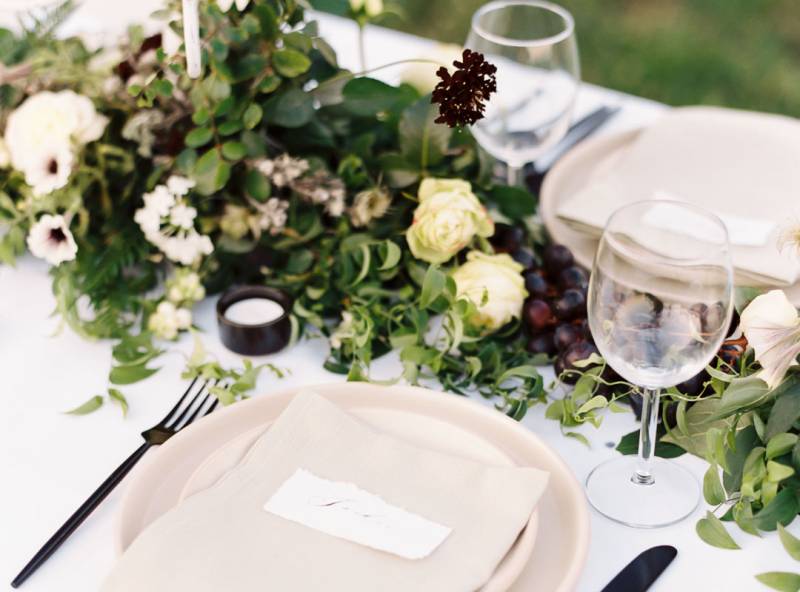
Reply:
x=713, y=532
x=780, y=444
x=116, y=396
x=290, y=62
x=782, y=581
x=89, y=406
x=130, y=374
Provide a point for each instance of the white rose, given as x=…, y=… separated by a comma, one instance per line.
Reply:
x=5, y=157
x=50, y=239
x=772, y=327
x=447, y=218
x=422, y=75
x=495, y=286
x=370, y=7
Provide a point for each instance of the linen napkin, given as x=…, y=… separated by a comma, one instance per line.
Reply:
x=223, y=538
x=743, y=166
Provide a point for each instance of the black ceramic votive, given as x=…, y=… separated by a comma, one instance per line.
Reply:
x=250, y=323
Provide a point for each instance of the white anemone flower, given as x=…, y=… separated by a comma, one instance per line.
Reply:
x=51, y=240
x=772, y=327
x=50, y=169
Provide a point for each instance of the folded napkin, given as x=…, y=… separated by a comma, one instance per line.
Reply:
x=743, y=166
x=223, y=538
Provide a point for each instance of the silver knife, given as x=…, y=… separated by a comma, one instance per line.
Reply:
x=640, y=573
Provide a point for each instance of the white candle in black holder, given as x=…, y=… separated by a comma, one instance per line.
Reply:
x=254, y=320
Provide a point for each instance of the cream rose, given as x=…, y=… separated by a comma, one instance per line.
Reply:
x=447, y=218
x=495, y=286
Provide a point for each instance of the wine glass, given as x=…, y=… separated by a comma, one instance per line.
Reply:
x=532, y=43
x=659, y=306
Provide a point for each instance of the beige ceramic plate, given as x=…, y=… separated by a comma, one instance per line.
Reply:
x=576, y=170
x=422, y=430
x=447, y=422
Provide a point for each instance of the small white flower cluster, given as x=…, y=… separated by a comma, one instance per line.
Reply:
x=185, y=287
x=322, y=189
x=168, y=222
x=43, y=134
x=168, y=320
x=50, y=239
x=272, y=215
x=283, y=170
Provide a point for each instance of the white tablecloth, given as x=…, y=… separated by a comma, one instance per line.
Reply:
x=50, y=462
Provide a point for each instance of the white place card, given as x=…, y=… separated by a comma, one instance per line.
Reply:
x=742, y=232
x=344, y=510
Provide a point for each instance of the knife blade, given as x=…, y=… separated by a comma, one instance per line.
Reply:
x=580, y=130
x=640, y=573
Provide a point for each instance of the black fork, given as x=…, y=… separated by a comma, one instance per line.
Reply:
x=185, y=411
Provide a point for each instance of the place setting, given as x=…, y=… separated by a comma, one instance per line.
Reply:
x=479, y=270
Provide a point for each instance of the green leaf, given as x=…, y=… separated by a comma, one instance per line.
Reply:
x=252, y=115
x=780, y=444
x=742, y=394
x=392, y=255
x=290, y=62
x=269, y=84
x=735, y=457
x=786, y=410
x=629, y=444
x=783, y=581
x=118, y=397
x=515, y=202
x=257, y=185
x=579, y=437
x=790, y=542
x=699, y=419
x=432, y=286
x=89, y=406
x=777, y=472
x=290, y=108
x=713, y=492
x=596, y=402
x=423, y=142
x=781, y=510
x=234, y=150
x=211, y=172
x=367, y=96
x=229, y=128
x=713, y=532
x=199, y=136
x=130, y=374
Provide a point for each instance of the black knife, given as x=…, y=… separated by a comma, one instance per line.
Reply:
x=580, y=130
x=640, y=573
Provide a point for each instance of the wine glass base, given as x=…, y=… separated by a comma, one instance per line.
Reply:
x=672, y=496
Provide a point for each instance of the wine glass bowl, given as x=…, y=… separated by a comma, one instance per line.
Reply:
x=659, y=306
x=532, y=44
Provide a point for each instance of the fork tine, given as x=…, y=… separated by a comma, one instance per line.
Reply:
x=179, y=403
x=213, y=406
x=172, y=423
x=196, y=412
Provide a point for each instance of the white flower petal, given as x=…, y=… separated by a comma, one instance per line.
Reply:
x=51, y=240
x=772, y=327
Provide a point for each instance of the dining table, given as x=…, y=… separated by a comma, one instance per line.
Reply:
x=50, y=461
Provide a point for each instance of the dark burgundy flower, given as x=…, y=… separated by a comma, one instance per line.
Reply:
x=462, y=95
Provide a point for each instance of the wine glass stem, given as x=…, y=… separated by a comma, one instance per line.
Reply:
x=647, y=436
x=514, y=176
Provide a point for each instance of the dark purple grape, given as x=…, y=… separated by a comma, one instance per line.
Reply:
x=571, y=305
x=574, y=353
x=556, y=258
x=573, y=277
x=566, y=335
x=538, y=315
x=693, y=386
x=542, y=344
x=536, y=285
x=507, y=238
x=639, y=311
x=524, y=257
x=585, y=330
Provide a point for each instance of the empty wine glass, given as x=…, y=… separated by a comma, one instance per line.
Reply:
x=659, y=306
x=532, y=43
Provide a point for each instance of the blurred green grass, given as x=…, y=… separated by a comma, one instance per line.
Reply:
x=735, y=53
